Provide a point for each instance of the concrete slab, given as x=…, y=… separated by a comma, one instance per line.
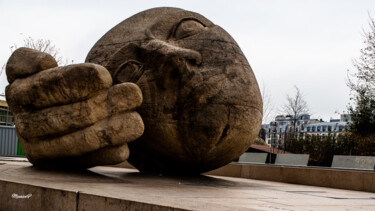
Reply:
x=353, y=162
x=359, y=180
x=110, y=188
x=292, y=159
x=253, y=157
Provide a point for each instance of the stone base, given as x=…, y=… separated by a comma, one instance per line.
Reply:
x=24, y=187
x=350, y=179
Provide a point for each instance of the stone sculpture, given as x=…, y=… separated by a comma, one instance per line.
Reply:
x=201, y=105
x=70, y=116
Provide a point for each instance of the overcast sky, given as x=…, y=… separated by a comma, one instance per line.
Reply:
x=309, y=44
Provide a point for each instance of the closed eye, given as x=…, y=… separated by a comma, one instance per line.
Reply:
x=188, y=27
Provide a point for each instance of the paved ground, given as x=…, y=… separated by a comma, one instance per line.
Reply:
x=191, y=193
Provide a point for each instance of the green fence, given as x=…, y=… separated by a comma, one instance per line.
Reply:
x=19, y=149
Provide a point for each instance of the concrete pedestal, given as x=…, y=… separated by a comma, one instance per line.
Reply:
x=23, y=187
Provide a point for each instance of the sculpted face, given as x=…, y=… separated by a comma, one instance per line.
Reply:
x=201, y=103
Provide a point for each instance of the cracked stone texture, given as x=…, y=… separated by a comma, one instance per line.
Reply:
x=201, y=103
x=72, y=116
x=57, y=86
x=33, y=61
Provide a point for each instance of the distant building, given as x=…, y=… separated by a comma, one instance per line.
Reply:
x=6, y=117
x=277, y=131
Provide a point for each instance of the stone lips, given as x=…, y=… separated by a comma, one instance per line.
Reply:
x=202, y=106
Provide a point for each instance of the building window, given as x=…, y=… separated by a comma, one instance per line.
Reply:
x=6, y=117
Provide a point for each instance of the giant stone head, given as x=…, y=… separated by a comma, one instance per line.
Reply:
x=201, y=103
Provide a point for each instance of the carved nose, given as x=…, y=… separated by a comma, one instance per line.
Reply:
x=167, y=49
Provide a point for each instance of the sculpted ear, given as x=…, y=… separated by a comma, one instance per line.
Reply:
x=129, y=71
x=124, y=65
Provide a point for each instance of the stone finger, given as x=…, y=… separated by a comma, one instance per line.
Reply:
x=112, y=131
x=26, y=61
x=68, y=118
x=110, y=155
x=57, y=86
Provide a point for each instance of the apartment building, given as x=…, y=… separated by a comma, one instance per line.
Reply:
x=6, y=117
x=277, y=131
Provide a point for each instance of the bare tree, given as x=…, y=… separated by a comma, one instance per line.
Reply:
x=2, y=69
x=295, y=106
x=268, y=106
x=365, y=66
x=45, y=46
x=362, y=85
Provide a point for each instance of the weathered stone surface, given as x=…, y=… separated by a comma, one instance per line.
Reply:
x=202, y=106
x=54, y=120
x=114, y=131
x=105, y=156
x=201, y=103
x=25, y=62
x=72, y=116
x=57, y=86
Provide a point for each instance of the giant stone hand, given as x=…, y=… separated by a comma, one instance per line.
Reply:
x=70, y=116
